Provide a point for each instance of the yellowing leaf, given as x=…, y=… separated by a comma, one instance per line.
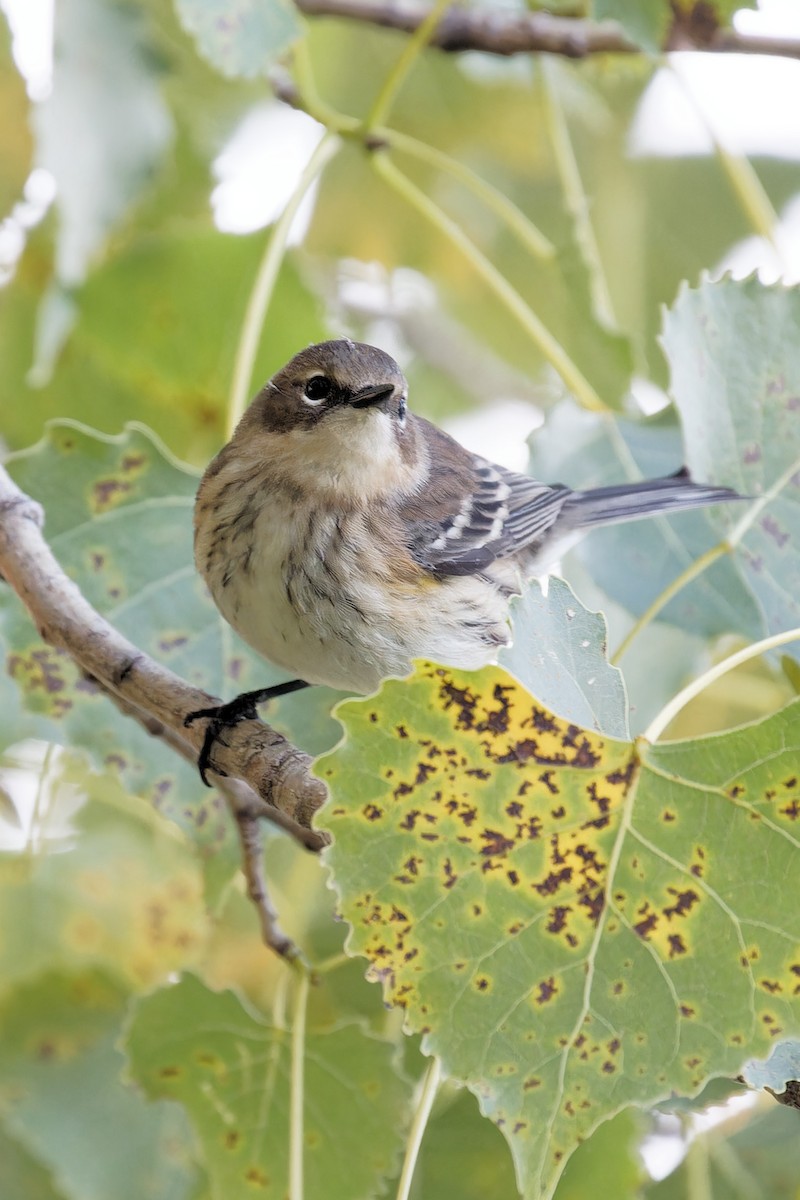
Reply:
x=576, y=923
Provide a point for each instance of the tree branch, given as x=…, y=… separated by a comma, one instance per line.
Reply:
x=498, y=31
x=276, y=772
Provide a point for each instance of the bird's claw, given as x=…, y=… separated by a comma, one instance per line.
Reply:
x=222, y=716
x=225, y=716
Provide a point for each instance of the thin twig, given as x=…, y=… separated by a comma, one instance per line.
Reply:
x=505, y=32
x=492, y=30
x=266, y=278
x=253, y=868
x=676, y=705
x=274, y=769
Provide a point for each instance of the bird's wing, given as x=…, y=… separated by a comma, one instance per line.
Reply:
x=458, y=529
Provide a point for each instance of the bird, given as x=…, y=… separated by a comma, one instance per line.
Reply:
x=343, y=536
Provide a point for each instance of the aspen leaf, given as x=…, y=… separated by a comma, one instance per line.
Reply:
x=575, y=923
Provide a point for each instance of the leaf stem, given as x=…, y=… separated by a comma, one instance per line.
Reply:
x=514, y=218
x=264, y=285
x=296, y=1126
x=698, y=1175
x=310, y=101
x=679, y=702
x=726, y=546
x=546, y=343
x=411, y=51
x=333, y=963
x=574, y=191
x=670, y=591
x=427, y=1095
x=744, y=181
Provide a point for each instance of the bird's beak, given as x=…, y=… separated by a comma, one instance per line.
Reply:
x=366, y=397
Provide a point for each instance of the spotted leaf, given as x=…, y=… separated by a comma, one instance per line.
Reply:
x=575, y=923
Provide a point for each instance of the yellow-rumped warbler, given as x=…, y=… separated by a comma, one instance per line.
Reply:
x=342, y=536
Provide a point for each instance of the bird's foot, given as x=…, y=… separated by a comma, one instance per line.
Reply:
x=225, y=716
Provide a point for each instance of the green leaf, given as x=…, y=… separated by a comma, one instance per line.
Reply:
x=576, y=923
x=715, y=1093
x=610, y=1155
x=183, y=297
x=103, y=130
x=22, y=1175
x=634, y=562
x=645, y=21
x=735, y=365
x=240, y=37
x=61, y=1098
x=155, y=340
x=119, y=520
x=229, y=1068
x=463, y=1155
x=559, y=652
x=680, y=654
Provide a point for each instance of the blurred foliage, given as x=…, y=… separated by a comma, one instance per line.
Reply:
x=120, y=339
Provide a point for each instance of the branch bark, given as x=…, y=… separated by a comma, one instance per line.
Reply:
x=276, y=773
x=495, y=31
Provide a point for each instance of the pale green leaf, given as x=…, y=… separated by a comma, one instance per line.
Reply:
x=560, y=654
x=576, y=923
x=240, y=37
x=735, y=365
x=229, y=1068
x=62, y=1099
x=645, y=22
x=634, y=562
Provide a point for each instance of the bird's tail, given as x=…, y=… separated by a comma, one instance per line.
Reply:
x=629, y=501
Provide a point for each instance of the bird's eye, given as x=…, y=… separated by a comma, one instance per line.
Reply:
x=318, y=388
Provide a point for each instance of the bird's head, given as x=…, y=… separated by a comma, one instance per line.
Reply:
x=342, y=381
x=338, y=409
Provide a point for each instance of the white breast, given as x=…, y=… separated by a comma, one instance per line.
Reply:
x=310, y=597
